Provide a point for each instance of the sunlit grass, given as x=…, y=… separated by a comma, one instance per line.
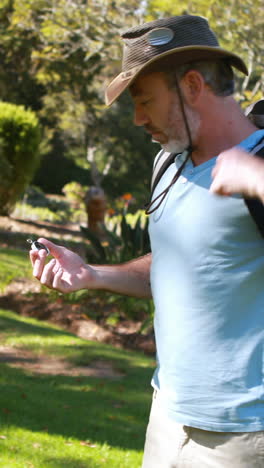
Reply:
x=13, y=264
x=67, y=421
x=22, y=448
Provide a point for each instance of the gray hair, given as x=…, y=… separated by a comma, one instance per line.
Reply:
x=218, y=75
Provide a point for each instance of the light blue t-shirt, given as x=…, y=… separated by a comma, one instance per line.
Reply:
x=207, y=279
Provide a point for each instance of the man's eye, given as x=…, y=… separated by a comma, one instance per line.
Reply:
x=144, y=103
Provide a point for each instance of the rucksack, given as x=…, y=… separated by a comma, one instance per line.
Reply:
x=255, y=113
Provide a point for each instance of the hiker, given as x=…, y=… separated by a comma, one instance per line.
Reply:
x=206, y=267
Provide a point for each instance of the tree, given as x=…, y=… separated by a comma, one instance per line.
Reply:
x=76, y=49
x=17, y=75
x=132, y=152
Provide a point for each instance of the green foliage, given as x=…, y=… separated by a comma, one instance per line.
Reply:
x=25, y=211
x=37, y=206
x=61, y=54
x=75, y=193
x=56, y=58
x=56, y=169
x=17, y=79
x=34, y=196
x=132, y=153
x=19, y=143
x=122, y=244
x=132, y=308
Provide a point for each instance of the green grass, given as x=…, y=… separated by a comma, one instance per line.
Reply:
x=54, y=421
x=67, y=421
x=13, y=264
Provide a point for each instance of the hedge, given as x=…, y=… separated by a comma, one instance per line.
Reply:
x=19, y=156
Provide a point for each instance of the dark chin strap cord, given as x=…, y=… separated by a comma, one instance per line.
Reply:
x=154, y=204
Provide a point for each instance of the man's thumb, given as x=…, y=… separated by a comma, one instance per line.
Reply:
x=54, y=249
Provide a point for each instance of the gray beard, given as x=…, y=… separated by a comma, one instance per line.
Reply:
x=180, y=145
x=174, y=146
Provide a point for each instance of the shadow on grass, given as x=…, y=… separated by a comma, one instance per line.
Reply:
x=52, y=462
x=99, y=410
x=83, y=408
x=16, y=326
x=71, y=462
x=60, y=462
x=78, y=351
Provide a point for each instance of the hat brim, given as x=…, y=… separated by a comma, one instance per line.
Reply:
x=182, y=55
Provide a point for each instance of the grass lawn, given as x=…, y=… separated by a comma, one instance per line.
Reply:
x=70, y=421
x=66, y=421
x=14, y=263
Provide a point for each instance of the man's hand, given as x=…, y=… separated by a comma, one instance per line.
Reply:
x=66, y=272
x=238, y=172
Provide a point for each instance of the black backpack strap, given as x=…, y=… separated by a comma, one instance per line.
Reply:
x=163, y=161
x=255, y=206
x=255, y=113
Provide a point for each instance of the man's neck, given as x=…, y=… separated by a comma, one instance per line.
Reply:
x=221, y=129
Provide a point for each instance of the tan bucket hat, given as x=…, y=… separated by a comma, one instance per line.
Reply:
x=189, y=38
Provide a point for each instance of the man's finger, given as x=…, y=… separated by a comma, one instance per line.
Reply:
x=33, y=255
x=54, y=249
x=38, y=259
x=218, y=189
x=57, y=283
x=48, y=274
x=214, y=171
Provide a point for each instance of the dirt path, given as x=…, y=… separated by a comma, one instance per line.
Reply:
x=20, y=358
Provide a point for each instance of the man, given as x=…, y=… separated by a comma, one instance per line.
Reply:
x=206, y=268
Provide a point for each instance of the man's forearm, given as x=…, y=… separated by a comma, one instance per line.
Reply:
x=130, y=278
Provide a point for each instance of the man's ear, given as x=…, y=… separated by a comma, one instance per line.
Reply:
x=193, y=86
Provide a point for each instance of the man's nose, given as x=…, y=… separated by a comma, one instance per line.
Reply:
x=140, y=117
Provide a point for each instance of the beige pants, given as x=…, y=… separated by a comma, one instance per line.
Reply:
x=171, y=445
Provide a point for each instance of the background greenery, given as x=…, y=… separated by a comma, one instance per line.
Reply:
x=56, y=59
x=19, y=143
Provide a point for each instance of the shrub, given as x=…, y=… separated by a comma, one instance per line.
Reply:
x=40, y=214
x=38, y=206
x=122, y=244
x=35, y=197
x=75, y=193
x=19, y=142
x=127, y=240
